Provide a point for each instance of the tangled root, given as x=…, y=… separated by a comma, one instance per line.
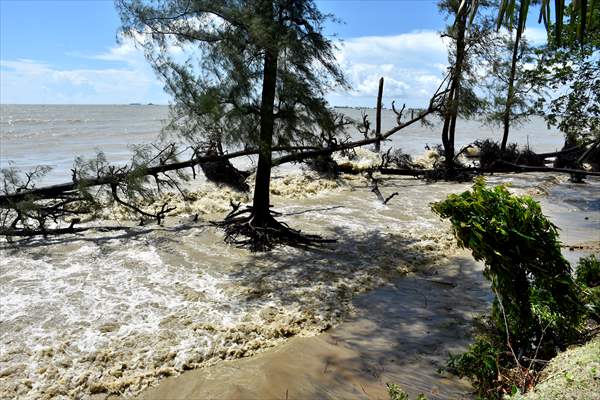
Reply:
x=258, y=232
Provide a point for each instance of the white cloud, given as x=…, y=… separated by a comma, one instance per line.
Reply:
x=131, y=80
x=29, y=81
x=412, y=65
x=536, y=36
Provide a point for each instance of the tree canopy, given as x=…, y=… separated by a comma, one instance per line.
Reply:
x=211, y=57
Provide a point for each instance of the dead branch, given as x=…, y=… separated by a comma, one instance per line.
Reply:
x=375, y=189
x=589, y=151
x=365, y=125
x=159, y=215
x=527, y=168
x=398, y=113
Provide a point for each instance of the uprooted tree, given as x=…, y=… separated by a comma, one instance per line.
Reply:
x=255, y=78
x=255, y=75
x=29, y=210
x=252, y=84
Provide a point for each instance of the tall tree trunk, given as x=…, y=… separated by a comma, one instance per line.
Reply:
x=511, y=80
x=449, y=129
x=267, y=123
x=378, y=116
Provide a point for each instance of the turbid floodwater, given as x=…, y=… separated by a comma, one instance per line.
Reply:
x=400, y=333
x=119, y=311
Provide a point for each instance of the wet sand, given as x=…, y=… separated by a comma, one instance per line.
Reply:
x=400, y=333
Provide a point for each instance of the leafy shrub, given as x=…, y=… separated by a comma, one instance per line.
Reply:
x=396, y=393
x=324, y=165
x=588, y=278
x=588, y=271
x=490, y=153
x=535, y=293
x=480, y=364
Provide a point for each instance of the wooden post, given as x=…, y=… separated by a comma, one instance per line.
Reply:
x=378, y=116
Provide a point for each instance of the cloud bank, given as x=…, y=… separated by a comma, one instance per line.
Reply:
x=411, y=63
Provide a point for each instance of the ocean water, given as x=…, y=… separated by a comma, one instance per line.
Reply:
x=117, y=311
x=54, y=135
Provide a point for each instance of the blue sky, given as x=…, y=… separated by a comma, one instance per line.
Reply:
x=66, y=52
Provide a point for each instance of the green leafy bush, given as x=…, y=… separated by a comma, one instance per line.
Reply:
x=481, y=365
x=490, y=153
x=535, y=293
x=588, y=278
x=588, y=271
x=396, y=393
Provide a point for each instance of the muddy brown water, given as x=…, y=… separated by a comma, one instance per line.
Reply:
x=85, y=316
x=400, y=333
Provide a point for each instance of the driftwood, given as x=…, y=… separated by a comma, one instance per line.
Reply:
x=528, y=168
x=375, y=189
x=511, y=168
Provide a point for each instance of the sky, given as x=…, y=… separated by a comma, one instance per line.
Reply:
x=66, y=52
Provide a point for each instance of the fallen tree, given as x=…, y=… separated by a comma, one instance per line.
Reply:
x=26, y=210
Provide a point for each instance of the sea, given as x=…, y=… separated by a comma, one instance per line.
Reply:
x=114, y=311
x=54, y=135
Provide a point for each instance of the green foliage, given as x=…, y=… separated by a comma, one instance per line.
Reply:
x=520, y=99
x=588, y=278
x=480, y=364
x=538, y=305
x=465, y=58
x=396, y=393
x=216, y=86
x=588, y=271
x=490, y=152
x=572, y=73
x=535, y=293
x=583, y=18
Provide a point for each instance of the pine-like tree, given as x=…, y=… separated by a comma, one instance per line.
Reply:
x=512, y=95
x=468, y=34
x=255, y=74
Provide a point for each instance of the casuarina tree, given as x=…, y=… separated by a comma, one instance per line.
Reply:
x=245, y=73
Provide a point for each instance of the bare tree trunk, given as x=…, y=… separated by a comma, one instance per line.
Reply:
x=263, y=172
x=449, y=129
x=378, y=116
x=511, y=80
x=455, y=88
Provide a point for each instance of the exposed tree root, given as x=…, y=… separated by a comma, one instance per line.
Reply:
x=256, y=232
